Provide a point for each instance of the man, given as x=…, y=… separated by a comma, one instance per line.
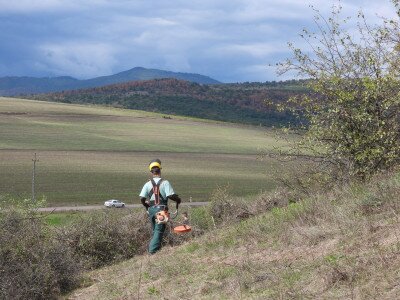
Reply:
x=158, y=191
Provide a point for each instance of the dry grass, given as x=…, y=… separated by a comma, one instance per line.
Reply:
x=341, y=245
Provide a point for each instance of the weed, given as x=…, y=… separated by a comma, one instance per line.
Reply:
x=333, y=259
x=291, y=277
x=147, y=276
x=224, y=272
x=192, y=247
x=153, y=291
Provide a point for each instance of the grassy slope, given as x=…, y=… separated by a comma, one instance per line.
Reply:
x=341, y=245
x=48, y=126
x=89, y=154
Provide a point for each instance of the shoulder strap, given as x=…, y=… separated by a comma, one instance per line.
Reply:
x=156, y=191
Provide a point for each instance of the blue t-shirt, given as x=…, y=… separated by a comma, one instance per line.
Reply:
x=166, y=189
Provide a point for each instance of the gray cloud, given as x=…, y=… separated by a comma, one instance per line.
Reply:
x=229, y=40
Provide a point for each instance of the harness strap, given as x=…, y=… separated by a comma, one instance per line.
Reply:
x=156, y=191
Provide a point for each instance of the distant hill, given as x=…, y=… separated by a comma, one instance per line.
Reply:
x=241, y=103
x=12, y=86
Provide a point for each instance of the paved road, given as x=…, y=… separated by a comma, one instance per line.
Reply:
x=94, y=207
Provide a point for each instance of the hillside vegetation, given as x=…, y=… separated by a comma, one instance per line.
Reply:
x=340, y=245
x=240, y=103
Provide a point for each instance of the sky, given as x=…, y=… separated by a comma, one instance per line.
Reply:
x=228, y=40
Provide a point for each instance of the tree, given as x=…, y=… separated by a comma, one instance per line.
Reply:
x=353, y=113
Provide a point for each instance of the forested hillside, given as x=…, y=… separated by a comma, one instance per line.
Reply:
x=241, y=102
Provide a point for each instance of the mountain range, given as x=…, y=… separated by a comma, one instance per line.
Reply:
x=12, y=86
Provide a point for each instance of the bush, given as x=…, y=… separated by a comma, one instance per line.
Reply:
x=225, y=209
x=200, y=219
x=33, y=265
x=353, y=113
x=102, y=237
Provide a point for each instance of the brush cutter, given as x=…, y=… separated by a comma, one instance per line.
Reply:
x=163, y=217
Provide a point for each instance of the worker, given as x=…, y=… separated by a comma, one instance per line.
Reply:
x=154, y=197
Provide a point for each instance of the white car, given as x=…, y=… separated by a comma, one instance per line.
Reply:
x=114, y=203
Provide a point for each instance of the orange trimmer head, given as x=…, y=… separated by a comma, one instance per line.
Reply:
x=182, y=229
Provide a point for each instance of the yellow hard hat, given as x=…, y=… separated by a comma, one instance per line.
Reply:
x=155, y=164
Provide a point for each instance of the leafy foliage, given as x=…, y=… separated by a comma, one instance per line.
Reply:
x=354, y=111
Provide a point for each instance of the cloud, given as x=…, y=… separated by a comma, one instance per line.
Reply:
x=257, y=50
x=77, y=57
x=228, y=40
x=26, y=6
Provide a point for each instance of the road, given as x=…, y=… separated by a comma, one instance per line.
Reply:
x=94, y=207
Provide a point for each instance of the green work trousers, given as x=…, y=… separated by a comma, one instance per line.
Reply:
x=158, y=231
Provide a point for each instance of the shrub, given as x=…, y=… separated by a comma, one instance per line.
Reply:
x=102, y=237
x=353, y=113
x=201, y=220
x=33, y=265
x=225, y=209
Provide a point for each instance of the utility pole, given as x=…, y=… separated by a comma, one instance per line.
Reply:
x=33, y=177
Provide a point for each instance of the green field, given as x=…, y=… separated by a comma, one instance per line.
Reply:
x=90, y=154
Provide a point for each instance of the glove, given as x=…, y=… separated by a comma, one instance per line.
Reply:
x=145, y=204
x=175, y=198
